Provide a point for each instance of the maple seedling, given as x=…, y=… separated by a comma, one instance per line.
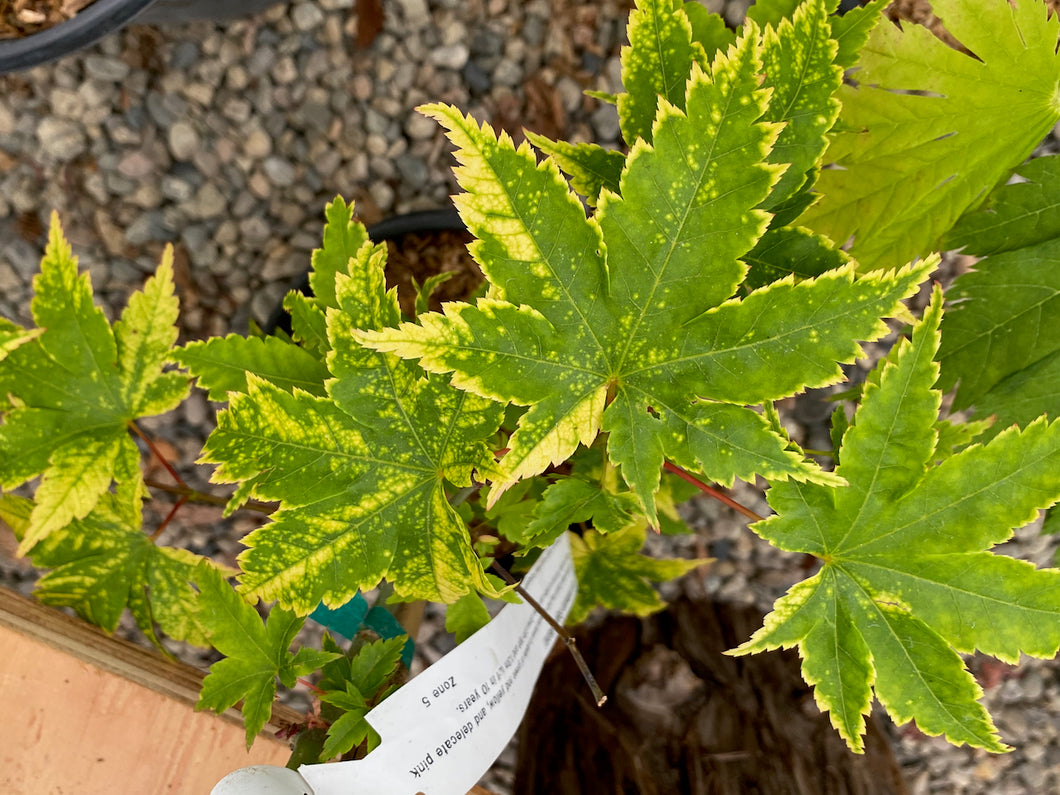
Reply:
x=644, y=310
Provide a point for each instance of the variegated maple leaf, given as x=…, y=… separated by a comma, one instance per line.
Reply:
x=70, y=388
x=625, y=321
x=361, y=471
x=907, y=578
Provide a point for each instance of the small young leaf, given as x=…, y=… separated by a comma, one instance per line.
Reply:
x=466, y=616
x=255, y=654
x=348, y=730
x=570, y=501
x=877, y=618
x=611, y=572
x=591, y=168
x=352, y=687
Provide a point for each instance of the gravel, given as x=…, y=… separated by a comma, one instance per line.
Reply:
x=228, y=140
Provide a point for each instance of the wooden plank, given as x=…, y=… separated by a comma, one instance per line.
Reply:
x=86, y=713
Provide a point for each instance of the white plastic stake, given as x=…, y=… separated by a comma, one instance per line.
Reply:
x=441, y=731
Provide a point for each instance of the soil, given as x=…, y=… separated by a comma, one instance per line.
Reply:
x=684, y=718
x=419, y=256
x=19, y=18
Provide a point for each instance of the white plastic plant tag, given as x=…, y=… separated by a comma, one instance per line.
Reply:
x=441, y=731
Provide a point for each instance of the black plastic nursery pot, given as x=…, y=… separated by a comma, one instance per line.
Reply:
x=104, y=17
x=393, y=229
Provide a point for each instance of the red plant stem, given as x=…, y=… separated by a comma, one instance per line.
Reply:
x=712, y=492
x=169, y=516
x=311, y=686
x=158, y=454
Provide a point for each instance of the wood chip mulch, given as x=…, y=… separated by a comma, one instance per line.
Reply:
x=19, y=18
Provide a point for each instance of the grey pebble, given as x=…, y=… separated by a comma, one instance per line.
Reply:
x=177, y=189
x=306, y=16
x=145, y=228
x=477, y=78
x=107, y=69
x=508, y=73
x=208, y=202
x=451, y=56
x=61, y=139
x=136, y=165
x=7, y=119
x=257, y=144
x=420, y=127
x=605, y=122
x=279, y=171
x=185, y=54
x=184, y=141
x=255, y=229
x=67, y=103
x=415, y=13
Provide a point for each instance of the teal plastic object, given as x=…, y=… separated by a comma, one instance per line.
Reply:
x=347, y=620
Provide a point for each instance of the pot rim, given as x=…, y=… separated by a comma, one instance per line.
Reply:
x=394, y=227
x=86, y=27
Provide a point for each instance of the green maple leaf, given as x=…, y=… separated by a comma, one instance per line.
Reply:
x=917, y=140
x=466, y=616
x=800, y=64
x=572, y=500
x=344, y=236
x=103, y=563
x=361, y=474
x=849, y=30
x=611, y=572
x=1001, y=339
x=351, y=687
x=624, y=321
x=221, y=364
x=657, y=63
x=69, y=395
x=256, y=654
x=907, y=580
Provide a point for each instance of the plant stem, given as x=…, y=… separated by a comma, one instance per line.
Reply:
x=169, y=516
x=192, y=495
x=461, y=496
x=157, y=454
x=568, y=639
x=711, y=491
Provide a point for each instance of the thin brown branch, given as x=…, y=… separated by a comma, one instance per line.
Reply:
x=203, y=498
x=568, y=639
